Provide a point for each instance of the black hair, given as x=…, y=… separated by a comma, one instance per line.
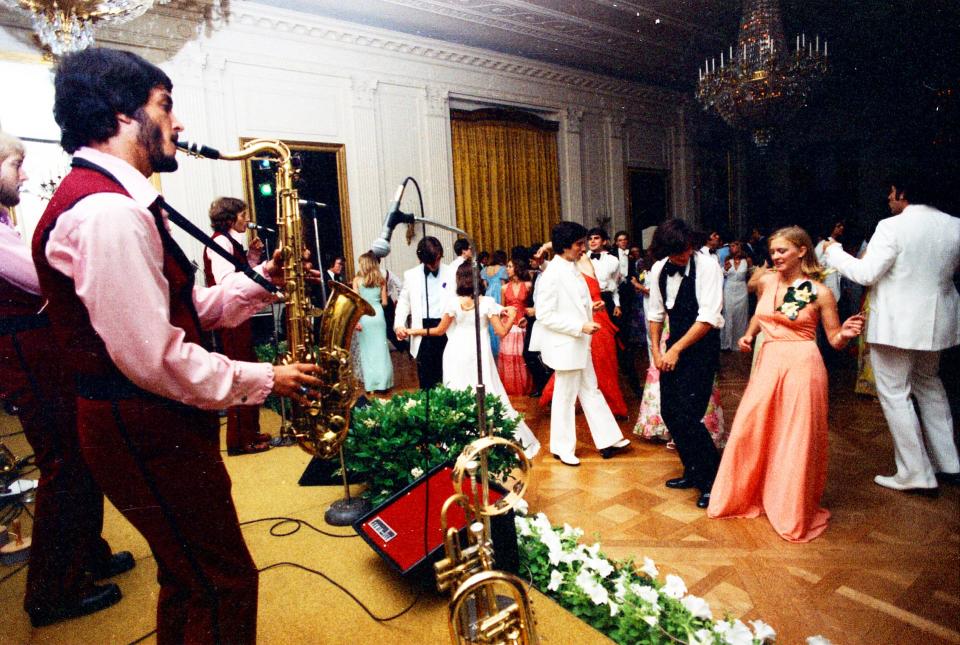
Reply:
x=429, y=250
x=465, y=279
x=483, y=257
x=619, y=233
x=564, y=234
x=521, y=268
x=672, y=237
x=499, y=257
x=94, y=85
x=596, y=230
x=520, y=252
x=460, y=246
x=912, y=185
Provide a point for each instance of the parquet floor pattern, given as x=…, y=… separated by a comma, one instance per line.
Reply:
x=886, y=571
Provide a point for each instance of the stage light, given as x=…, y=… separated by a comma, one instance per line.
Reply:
x=266, y=189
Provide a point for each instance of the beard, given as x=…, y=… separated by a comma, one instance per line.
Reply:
x=9, y=194
x=151, y=138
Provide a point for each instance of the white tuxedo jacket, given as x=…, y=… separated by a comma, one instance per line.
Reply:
x=563, y=306
x=410, y=302
x=910, y=263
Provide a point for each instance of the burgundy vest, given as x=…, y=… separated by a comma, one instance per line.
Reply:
x=238, y=254
x=84, y=351
x=14, y=301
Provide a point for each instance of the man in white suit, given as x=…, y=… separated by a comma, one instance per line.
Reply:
x=914, y=310
x=562, y=336
x=426, y=289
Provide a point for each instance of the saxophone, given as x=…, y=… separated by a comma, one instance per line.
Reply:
x=320, y=426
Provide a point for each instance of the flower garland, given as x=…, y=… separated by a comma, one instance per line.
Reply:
x=622, y=600
x=800, y=294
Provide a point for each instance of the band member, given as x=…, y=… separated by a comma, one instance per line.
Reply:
x=127, y=319
x=68, y=512
x=562, y=336
x=426, y=289
x=687, y=287
x=228, y=218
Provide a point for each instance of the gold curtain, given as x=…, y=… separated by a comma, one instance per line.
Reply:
x=505, y=177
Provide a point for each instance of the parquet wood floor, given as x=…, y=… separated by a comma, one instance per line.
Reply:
x=886, y=571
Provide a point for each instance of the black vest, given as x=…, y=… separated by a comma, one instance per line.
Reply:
x=684, y=313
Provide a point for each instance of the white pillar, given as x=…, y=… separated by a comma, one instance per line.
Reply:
x=367, y=199
x=613, y=126
x=438, y=191
x=571, y=170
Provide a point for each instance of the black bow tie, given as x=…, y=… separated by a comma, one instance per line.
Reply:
x=595, y=256
x=673, y=269
x=427, y=271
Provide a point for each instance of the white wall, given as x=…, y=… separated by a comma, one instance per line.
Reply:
x=385, y=96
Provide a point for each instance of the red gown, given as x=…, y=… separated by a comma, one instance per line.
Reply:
x=603, y=348
x=513, y=369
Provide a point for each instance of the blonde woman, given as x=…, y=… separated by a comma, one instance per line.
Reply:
x=375, y=360
x=775, y=461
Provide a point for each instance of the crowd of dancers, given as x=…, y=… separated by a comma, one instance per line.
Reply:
x=560, y=321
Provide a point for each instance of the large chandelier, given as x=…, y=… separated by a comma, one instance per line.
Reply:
x=64, y=26
x=764, y=82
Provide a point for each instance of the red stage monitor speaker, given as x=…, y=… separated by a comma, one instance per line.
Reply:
x=409, y=537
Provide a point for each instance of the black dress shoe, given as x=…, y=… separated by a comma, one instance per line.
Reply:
x=950, y=479
x=119, y=562
x=680, y=483
x=704, y=500
x=97, y=598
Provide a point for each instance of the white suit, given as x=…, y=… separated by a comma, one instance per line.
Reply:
x=563, y=306
x=914, y=311
x=411, y=300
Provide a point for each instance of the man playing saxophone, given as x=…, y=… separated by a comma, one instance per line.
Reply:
x=129, y=321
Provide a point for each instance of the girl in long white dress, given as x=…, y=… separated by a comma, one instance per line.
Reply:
x=459, y=357
x=736, y=307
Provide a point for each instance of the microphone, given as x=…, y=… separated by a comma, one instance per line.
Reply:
x=395, y=217
x=251, y=226
x=310, y=202
x=198, y=150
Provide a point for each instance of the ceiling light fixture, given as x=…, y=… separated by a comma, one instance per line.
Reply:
x=764, y=82
x=64, y=26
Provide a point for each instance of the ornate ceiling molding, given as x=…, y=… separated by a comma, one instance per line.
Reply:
x=311, y=28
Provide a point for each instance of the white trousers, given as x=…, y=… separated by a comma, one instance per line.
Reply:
x=568, y=386
x=900, y=373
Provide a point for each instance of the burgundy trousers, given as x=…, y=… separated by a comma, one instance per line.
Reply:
x=159, y=463
x=243, y=421
x=68, y=512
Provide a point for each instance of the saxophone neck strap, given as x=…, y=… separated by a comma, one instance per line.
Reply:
x=191, y=229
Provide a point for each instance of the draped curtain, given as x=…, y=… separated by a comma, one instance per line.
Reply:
x=505, y=177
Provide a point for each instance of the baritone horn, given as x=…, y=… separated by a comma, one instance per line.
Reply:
x=320, y=426
x=487, y=606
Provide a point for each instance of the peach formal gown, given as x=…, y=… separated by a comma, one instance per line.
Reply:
x=775, y=461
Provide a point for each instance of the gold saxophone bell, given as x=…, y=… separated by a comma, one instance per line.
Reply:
x=320, y=427
x=487, y=607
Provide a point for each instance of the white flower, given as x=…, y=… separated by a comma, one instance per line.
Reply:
x=649, y=567
x=614, y=608
x=417, y=472
x=522, y=526
x=596, y=591
x=600, y=565
x=803, y=295
x=620, y=588
x=735, y=633
x=651, y=620
x=521, y=507
x=556, y=579
x=700, y=609
x=763, y=631
x=818, y=640
x=593, y=549
x=648, y=595
x=790, y=309
x=701, y=637
x=370, y=423
x=674, y=587
x=409, y=405
x=542, y=523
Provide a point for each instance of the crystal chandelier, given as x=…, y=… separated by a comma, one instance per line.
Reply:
x=64, y=26
x=764, y=82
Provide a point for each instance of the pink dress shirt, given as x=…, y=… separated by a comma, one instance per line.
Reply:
x=16, y=262
x=109, y=245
